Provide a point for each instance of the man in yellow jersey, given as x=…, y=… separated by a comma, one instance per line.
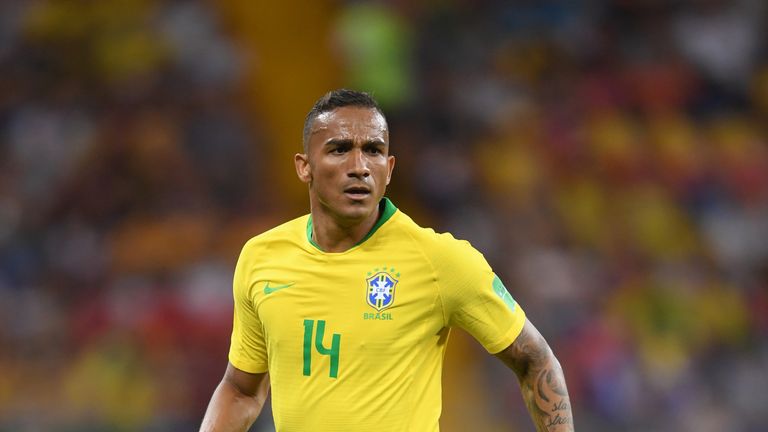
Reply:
x=345, y=312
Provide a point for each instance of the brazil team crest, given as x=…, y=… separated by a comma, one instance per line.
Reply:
x=380, y=289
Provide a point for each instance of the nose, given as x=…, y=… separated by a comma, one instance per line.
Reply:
x=358, y=165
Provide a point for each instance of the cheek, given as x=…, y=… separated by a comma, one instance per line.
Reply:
x=382, y=171
x=325, y=172
x=324, y=176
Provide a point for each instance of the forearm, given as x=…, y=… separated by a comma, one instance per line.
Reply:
x=230, y=410
x=541, y=381
x=545, y=394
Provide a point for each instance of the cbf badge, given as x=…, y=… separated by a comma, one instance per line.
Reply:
x=381, y=285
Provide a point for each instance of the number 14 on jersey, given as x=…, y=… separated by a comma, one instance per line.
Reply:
x=333, y=351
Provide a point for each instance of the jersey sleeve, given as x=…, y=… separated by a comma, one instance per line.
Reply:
x=474, y=298
x=247, y=350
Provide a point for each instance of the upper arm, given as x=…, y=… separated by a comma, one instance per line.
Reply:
x=247, y=349
x=237, y=401
x=528, y=348
x=473, y=297
x=246, y=383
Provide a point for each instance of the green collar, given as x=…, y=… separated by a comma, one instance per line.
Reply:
x=386, y=208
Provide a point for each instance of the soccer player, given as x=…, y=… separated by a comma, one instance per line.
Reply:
x=345, y=312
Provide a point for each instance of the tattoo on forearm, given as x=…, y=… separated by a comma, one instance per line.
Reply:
x=551, y=399
x=541, y=381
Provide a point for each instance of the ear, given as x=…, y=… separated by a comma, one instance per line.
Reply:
x=302, y=167
x=391, y=166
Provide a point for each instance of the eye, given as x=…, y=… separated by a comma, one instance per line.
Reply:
x=338, y=150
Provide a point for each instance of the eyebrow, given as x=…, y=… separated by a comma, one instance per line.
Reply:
x=347, y=141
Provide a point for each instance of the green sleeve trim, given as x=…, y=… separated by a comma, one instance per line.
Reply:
x=386, y=209
x=503, y=293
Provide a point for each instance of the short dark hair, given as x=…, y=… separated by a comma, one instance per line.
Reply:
x=337, y=99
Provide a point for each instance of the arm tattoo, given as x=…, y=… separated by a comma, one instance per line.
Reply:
x=541, y=381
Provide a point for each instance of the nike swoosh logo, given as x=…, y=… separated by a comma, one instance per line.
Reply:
x=270, y=289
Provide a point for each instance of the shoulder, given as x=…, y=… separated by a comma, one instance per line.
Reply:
x=437, y=246
x=290, y=232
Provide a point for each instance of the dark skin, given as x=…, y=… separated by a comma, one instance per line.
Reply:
x=237, y=401
x=347, y=167
x=541, y=380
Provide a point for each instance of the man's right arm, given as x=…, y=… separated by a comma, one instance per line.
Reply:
x=237, y=401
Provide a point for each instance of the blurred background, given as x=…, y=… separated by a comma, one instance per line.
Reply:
x=609, y=158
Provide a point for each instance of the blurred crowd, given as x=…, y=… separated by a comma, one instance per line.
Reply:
x=612, y=163
x=609, y=158
x=127, y=186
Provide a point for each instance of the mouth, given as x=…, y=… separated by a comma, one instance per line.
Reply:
x=357, y=192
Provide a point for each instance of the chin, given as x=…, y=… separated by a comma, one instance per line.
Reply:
x=357, y=210
x=349, y=210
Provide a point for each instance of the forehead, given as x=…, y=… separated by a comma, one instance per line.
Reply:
x=355, y=123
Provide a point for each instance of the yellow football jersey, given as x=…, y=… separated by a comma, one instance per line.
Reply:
x=355, y=340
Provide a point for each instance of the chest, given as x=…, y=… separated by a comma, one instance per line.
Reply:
x=369, y=301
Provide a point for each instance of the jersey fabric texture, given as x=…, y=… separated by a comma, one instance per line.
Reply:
x=355, y=340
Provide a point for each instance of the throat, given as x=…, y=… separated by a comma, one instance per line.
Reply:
x=330, y=234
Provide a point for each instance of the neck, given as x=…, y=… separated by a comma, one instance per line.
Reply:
x=333, y=234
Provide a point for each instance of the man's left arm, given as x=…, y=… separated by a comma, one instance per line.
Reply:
x=541, y=380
